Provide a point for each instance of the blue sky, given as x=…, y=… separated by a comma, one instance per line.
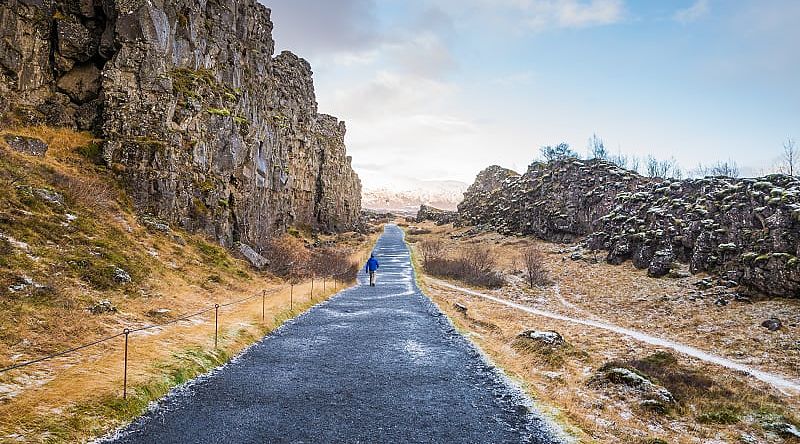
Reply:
x=440, y=89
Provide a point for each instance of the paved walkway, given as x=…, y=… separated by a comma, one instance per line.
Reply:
x=372, y=365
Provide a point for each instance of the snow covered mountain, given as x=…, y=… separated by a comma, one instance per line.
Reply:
x=442, y=194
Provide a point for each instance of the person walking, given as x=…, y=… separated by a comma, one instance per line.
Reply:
x=372, y=266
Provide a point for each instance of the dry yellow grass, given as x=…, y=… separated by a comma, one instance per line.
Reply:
x=61, y=141
x=604, y=412
x=65, y=251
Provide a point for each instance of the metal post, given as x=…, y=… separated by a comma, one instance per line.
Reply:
x=125, y=367
x=312, y=288
x=263, y=299
x=323, y=285
x=216, y=324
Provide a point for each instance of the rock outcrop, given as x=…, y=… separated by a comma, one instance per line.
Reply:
x=559, y=201
x=440, y=217
x=746, y=231
x=205, y=127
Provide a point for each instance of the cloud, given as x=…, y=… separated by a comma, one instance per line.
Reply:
x=312, y=27
x=698, y=10
x=540, y=15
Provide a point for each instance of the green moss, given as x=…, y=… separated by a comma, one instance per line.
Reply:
x=749, y=256
x=206, y=185
x=225, y=112
x=213, y=255
x=720, y=415
x=243, y=274
x=93, y=152
x=199, y=207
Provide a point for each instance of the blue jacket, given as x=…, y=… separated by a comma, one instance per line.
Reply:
x=372, y=264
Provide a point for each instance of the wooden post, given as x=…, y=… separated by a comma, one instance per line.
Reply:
x=216, y=324
x=125, y=367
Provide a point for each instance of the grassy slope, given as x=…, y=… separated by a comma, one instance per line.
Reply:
x=66, y=231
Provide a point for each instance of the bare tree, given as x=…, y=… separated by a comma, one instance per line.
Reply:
x=790, y=157
x=636, y=163
x=535, y=271
x=663, y=168
x=727, y=168
x=431, y=249
x=597, y=149
x=558, y=152
x=619, y=159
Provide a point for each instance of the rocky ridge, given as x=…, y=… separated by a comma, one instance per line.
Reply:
x=744, y=231
x=440, y=217
x=206, y=127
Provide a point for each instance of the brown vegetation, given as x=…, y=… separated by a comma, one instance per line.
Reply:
x=534, y=268
x=473, y=264
x=711, y=403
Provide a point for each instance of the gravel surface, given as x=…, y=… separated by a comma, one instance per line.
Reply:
x=373, y=364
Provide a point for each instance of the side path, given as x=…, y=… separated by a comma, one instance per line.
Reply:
x=373, y=364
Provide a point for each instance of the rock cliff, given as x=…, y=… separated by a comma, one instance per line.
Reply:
x=745, y=231
x=205, y=126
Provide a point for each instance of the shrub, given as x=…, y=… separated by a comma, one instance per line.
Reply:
x=288, y=256
x=431, y=249
x=330, y=262
x=535, y=272
x=720, y=415
x=474, y=265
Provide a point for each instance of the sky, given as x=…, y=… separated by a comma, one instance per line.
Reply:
x=440, y=89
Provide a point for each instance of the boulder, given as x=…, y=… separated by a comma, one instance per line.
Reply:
x=546, y=338
x=26, y=145
x=772, y=324
x=440, y=217
x=121, y=276
x=256, y=260
x=104, y=306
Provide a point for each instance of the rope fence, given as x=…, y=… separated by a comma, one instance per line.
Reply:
x=126, y=332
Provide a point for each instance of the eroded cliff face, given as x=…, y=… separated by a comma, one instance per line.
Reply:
x=745, y=231
x=206, y=128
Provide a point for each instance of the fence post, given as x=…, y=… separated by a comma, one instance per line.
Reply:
x=263, y=299
x=125, y=366
x=216, y=324
x=323, y=286
x=291, y=296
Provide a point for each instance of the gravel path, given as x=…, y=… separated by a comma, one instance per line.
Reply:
x=373, y=364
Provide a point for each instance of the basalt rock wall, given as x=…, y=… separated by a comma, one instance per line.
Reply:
x=206, y=127
x=745, y=231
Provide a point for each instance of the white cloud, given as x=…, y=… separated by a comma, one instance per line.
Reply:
x=698, y=10
x=541, y=15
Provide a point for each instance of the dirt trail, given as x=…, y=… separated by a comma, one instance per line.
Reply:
x=781, y=383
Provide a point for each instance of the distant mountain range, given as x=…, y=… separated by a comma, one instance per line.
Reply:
x=442, y=194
